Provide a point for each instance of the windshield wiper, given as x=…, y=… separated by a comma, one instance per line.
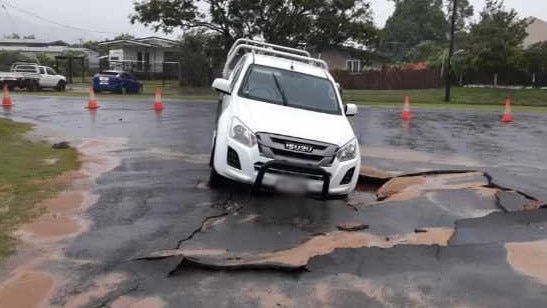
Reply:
x=280, y=89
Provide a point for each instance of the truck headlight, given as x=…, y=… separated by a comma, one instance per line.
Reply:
x=348, y=151
x=242, y=133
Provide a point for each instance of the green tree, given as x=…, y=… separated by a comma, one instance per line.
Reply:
x=7, y=58
x=412, y=22
x=29, y=37
x=124, y=36
x=425, y=51
x=13, y=36
x=494, y=43
x=463, y=13
x=534, y=58
x=200, y=55
x=44, y=59
x=313, y=23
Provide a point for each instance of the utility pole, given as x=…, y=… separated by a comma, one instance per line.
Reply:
x=448, y=72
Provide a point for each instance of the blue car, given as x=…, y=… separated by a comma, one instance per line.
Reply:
x=116, y=81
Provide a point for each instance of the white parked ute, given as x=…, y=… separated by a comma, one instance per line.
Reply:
x=281, y=123
x=47, y=77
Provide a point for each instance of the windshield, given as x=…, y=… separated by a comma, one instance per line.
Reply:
x=283, y=87
x=109, y=73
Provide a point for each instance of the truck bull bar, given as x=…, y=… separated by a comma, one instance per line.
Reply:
x=296, y=168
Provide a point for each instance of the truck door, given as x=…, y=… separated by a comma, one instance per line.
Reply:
x=43, y=82
x=52, y=79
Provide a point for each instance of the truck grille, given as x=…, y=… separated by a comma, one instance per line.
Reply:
x=296, y=150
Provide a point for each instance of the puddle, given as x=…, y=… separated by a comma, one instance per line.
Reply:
x=27, y=289
x=65, y=201
x=420, y=157
x=101, y=286
x=191, y=158
x=49, y=227
x=270, y=298
x=132, y=302
x=412, y=187
x=328, y=292
x=529, y=259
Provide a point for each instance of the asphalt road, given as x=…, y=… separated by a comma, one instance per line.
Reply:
x=459, y=224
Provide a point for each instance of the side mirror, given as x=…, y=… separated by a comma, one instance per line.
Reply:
x=222, y=85
x=351, y=109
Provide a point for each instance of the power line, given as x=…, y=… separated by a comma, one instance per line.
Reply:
x=10, y=17
x=7, y=4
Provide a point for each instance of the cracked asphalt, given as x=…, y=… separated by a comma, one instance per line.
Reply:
x=455, y=219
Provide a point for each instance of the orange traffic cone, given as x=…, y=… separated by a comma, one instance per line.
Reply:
x=406, y=115
x=6, y=102
x=507, y=116
x=158, y=105
x=92, y=103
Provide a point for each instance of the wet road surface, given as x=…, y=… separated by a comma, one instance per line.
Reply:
x=450, y=213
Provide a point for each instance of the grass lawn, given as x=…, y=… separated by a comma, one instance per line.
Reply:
x=170, y=89
x=524, y=100
x=460, y=97
x=26, y=177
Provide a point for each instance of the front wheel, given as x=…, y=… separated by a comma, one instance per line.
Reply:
x=215, y=179
x=61, y=86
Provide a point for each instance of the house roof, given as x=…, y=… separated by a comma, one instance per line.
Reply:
x=150, y=42
x=49, y=49
x=537, y=31
x=31, y=42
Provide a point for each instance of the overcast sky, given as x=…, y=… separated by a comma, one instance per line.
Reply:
x=112, y=16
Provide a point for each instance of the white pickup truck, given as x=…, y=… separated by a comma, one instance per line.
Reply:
x=32, y=76
x=281, y=123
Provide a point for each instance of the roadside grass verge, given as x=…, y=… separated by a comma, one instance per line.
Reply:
x=27, y=175
x=84, y=96
x=460, y=96
x=169, y=90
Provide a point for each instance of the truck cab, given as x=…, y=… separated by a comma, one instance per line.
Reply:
x=282, y=123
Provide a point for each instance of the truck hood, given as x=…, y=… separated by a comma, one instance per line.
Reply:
x=294, y=122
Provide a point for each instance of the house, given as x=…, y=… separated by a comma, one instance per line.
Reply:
x=348, y=57
x=148, y=55
x=537, y=32
x=31, y=47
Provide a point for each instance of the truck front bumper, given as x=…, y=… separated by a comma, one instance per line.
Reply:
x=296, y=168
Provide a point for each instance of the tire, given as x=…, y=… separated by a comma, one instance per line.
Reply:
x=33, y=86
x=215, y=180
x=61, y=86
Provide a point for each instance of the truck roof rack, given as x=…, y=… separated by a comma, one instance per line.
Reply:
x=15, y=64
x=269, y=49
x=242, y=41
